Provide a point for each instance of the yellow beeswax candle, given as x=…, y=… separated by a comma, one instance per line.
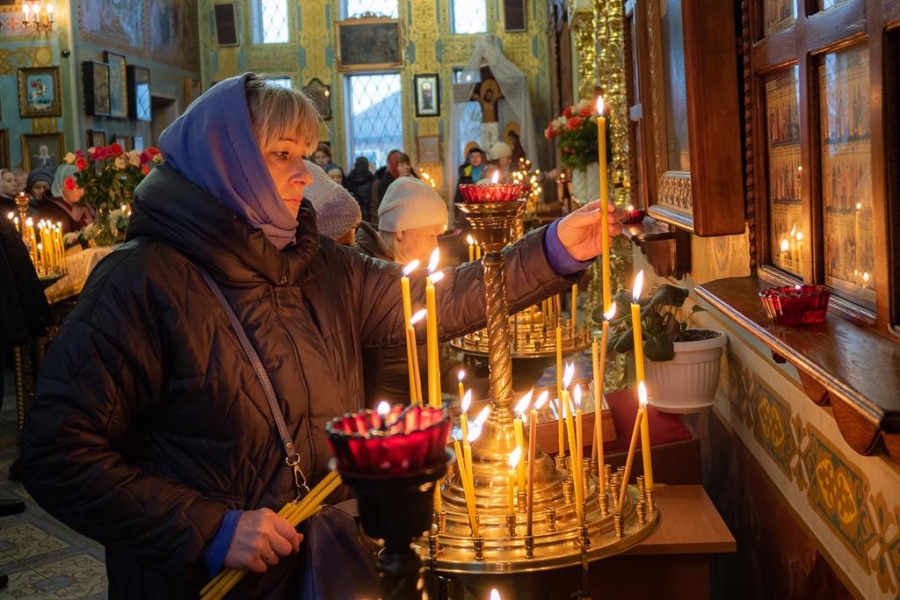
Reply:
x=519, y=431
x=636, y=322
x=604, y=205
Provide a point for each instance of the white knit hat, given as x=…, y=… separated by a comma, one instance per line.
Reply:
x=410, y=203
x=499, y=150
x=336, y=210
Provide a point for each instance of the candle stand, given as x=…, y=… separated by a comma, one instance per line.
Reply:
x=397, y=509
x=503, y=547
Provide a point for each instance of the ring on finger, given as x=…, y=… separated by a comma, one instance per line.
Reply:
x=268, y=556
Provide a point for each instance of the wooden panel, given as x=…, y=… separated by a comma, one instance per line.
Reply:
x=859, y=370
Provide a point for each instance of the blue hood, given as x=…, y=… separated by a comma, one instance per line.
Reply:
x=213, y=145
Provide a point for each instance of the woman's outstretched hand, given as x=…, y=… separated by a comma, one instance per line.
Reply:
x=579, y=231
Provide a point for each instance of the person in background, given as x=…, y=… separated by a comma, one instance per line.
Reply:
x=404, y=166
x=383, y=180
x=8, y=190
x=21, y=178
x=337, y=213
x=336, y=174
x=501, y=157
x=38, y=185
x=518, y=151
x=150, y=430
x=322, y=155
x=64, y=205
x=359, y=182
x=470, y=170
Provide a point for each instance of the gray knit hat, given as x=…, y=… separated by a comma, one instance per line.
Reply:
x=410, y=203
x=336, y=210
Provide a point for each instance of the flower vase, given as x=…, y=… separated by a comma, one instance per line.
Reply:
x=105, y=231
x=586, y=184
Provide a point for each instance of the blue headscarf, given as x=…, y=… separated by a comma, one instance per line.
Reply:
x=214, y=146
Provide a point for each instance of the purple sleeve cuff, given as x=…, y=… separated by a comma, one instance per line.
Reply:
x=218, y=548
x=559, y=258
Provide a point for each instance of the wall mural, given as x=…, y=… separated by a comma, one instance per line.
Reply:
x=157, y=30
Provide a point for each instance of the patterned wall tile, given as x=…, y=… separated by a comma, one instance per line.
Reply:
x=838, y=494
x=772, y=428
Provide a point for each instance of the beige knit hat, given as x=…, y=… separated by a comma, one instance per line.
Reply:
x=410, y=203
x=499, y=150
x=336, y=210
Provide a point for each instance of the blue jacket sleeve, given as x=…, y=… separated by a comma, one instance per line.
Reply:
x=218, y=548
x=559, y=258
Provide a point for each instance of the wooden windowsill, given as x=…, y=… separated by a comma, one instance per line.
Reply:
x=853, y=369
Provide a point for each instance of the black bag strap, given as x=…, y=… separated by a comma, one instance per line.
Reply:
x=292, y=458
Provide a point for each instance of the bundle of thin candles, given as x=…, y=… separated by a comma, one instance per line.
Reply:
x=295, y=512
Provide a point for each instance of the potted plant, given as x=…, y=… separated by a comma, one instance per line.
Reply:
x=681, y=363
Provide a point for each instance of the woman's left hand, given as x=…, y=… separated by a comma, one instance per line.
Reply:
x=579, y=231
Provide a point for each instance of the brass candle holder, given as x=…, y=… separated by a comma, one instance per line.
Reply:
x=557, y=540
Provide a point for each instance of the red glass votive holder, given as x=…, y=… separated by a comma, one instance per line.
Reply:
x=796, y=304
x=491, y=192
x=406, y=440
x=633, y=216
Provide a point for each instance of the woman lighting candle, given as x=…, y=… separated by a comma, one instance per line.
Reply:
x=532, y=452
x=604, y=203
x=642, y=396
x=519, y=430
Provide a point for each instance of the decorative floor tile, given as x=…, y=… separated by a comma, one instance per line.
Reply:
x=33, y=586
x=78, y=576
x=28, y=541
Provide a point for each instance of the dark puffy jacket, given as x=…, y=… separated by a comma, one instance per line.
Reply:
x=148, y=421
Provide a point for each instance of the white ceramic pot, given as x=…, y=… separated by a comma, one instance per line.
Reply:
x=688, y=382
x=586, y=184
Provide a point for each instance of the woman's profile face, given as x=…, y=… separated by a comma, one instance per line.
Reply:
x=71, y=193
x=9, y=185
x=321, y=158
x=284, y=160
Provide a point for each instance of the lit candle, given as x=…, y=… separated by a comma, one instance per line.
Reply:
x=800, y=253
x=599, y=377
x=464, y=478
x=793, y=241
x=519, y=430
x=407, y=316
x=579, y=453
x=604, y=205
x=574, y=308
x=29, y=223
x=857, y=239
x=462, y=390
x=532, y=451
x=415, y=379
x=463, y=414
x=636, y=323
x=559, y=383
x=642, y=392
x=645, y=438
x=434, y=384
x=784, y=251
x=514, y=462
x=471, y=247
x=570, y=428
x=495, y=595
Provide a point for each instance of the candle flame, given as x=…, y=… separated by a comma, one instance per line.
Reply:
x=785, y=246
x=461, y=375
x=642, y=394
x=466, y=402
x=522, y=405
x=514, y=457
x=577, y=396
x=10, y=215
x=799, y=235
x=600, y=105
x=495, y=595
x=495, y=178
x=383, y=409
x=29, y=222
x=483, y=415
x=433, y=261
x=568, y=374
x=418, y=317
x=859, y=206
x=610, y=314
x=412, y=266
x=471, y=240
x=793, y=230
x=541, y=400
x=638, y=286
x=435, y=277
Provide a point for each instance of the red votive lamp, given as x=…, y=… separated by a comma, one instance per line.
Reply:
x=633, y=215
x=393, y=440
x=796, y=304
x=491, y=192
